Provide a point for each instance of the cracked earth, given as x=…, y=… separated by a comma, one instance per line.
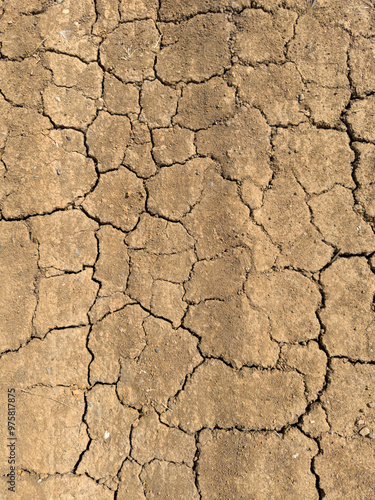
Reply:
x=187, y=248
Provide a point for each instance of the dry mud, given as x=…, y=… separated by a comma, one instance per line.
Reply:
x=187, y=249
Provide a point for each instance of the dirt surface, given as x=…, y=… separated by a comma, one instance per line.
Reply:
x=187, y=249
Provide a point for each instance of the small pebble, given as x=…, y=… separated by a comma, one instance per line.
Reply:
x=66, y=11
x=156, y=349
x=210, y=184
x=66, y=33
x=59, y=1
x=58, y=98
x=68, y=138
x=58, y=171
x=364, y=432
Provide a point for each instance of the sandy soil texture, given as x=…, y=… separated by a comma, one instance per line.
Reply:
x=187, y=249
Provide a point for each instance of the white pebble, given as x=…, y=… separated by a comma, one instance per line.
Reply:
x=66, y=33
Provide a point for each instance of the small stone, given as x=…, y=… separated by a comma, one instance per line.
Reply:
x=66, y=34
x=364, y=432
x=58, y=171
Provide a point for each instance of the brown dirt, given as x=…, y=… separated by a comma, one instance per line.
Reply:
x=187, y=249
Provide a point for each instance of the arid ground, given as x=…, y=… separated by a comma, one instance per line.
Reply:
x=187, y=249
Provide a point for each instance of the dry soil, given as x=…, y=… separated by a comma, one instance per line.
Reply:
x=187, y=249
